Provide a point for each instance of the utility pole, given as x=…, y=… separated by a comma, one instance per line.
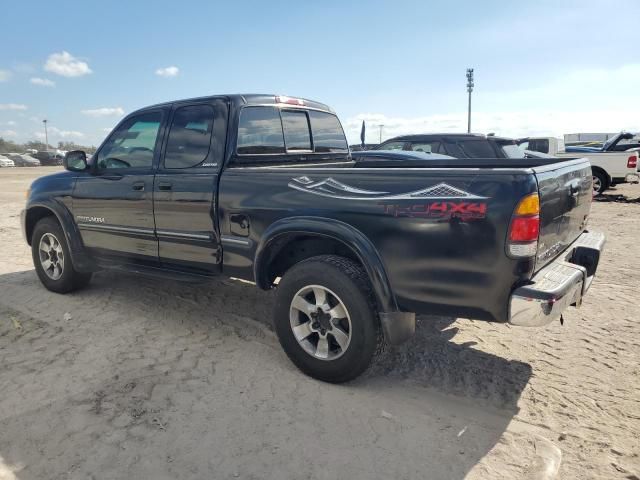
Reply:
x=469, y=89
x=46, y=135
x=380, y=138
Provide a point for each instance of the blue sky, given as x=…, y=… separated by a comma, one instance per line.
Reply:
x=542, y=67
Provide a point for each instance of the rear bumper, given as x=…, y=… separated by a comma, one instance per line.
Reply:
x=559, y=285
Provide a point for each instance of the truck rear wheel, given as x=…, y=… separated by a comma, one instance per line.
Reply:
x=326, y=319
x=52, y=260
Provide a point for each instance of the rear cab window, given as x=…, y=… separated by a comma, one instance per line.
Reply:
x=295, y=126
x=260, y=131
x=267, y=130
x=480, y=148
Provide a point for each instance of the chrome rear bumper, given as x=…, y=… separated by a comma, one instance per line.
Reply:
x=559, y=285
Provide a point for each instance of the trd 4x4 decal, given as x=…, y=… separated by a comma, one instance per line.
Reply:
x=441, y=201
x=439, y=210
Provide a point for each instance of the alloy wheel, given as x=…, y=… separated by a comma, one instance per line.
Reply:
x=51, y=256
x=320, y=322
x=597, y=185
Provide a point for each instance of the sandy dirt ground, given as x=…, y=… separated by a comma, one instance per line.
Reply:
x=147, y=378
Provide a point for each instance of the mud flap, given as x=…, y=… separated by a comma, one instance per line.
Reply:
x=398, y=327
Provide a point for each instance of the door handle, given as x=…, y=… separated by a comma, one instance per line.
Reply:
x=138, y=186
x=164, y=186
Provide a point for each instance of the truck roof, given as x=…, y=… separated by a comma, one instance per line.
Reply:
x=423, y=136
x=250, y=99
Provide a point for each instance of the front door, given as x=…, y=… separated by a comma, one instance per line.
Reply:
x=113, y=203
x=186, y=185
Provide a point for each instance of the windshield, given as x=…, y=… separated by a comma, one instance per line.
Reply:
x=513, y=151
x=609, y=142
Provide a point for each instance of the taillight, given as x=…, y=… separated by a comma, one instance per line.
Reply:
x=632, y=161
x=525, y=227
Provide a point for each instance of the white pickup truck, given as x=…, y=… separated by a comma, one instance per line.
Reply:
x=608, y=167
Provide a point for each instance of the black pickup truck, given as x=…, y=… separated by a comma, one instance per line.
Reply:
x=264, y=188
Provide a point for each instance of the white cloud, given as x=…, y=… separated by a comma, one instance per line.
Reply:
x=12, y=106
x=11, y=123
x=107, y=130
x=43, y=82
x=8, y=133
x=104, y=112
x=66, y=65
x=171, y=71
x=56, y=132
x=5, y=75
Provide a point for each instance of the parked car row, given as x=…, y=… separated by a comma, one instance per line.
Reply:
x=31, y=159
x=609, y=165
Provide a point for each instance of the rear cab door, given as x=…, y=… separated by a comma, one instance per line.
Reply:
x=186, y=186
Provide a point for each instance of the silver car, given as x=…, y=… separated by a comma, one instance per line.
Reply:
x=5, y=162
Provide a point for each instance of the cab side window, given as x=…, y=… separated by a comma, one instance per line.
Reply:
x=133, y=144
x=189, y=137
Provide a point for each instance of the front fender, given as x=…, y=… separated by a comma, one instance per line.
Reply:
x=339, y=231
x=36, y=210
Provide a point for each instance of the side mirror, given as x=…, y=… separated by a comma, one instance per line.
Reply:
x=75, y=161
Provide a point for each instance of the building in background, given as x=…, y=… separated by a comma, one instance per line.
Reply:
x=587, y=137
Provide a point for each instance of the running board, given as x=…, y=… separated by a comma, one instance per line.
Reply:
x=162, y=273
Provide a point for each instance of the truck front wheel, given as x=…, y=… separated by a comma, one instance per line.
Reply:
x=325, y=318
x=52, y=260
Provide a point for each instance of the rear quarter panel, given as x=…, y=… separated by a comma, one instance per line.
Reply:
x=441, y=255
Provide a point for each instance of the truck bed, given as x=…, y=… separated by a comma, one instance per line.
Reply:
x=439, y=226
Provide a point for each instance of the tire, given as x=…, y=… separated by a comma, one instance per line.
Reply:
x=48, y=234
x=600, y=182
x=348, y=300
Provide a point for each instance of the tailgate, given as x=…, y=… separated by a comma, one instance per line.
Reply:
x=565, y=200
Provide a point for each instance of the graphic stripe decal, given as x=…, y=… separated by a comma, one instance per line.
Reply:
x=335, y=189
